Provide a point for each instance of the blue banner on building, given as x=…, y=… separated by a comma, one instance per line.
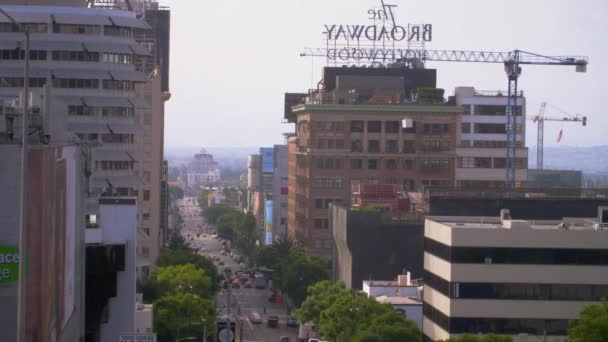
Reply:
x=268, y=222
x=267, y=159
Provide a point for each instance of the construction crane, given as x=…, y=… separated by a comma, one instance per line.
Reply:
x=512, y=62
x=540, y=121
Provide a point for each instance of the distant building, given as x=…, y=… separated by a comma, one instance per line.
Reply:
x=404, y=295
x=203, y=170
x=555, y=179
x=515, y=277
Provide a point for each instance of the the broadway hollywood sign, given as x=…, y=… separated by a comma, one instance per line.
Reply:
x=376, y=41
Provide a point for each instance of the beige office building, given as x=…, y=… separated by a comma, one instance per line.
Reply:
x=521, y=278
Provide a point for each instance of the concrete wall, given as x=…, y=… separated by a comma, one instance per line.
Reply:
x=119, y=224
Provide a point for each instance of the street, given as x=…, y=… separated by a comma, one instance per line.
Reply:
x=244, y=300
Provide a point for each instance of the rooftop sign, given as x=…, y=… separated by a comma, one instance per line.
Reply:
x=381, y=40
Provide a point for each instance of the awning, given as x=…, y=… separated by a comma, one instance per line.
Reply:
x=19, y=72
x=9, y=45
x=76, y=18
x=129, y=22
x=50, y=45
x=112, y=155
x=88, y=127
x=125, y=128
x=139, y=102
x=117, y=181
x=81, y=74
x=126, y=75
x=25, y=17
x=140, y=50
x=108, y=47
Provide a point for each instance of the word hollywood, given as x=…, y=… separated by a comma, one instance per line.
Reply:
x=390, y=32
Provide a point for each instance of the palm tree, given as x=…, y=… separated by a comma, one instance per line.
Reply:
x=284, y=247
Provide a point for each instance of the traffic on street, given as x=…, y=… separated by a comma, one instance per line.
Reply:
x=245, y=294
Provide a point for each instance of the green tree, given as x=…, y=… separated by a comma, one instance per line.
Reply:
x=592, y=325
x=177, y=241
x=265, y=256
x=227, y=224
x=320, y=297
x=185, y=279
x=176, y=309
x=284, y=247
x=296, y=273
x=182, y=257
x=247, y=236
x=483, y=338
x=214, y=212
x=176, y=192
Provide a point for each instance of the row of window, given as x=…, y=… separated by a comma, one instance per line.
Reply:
x=321, y=223
x=323, y=244
x=488, y=128
x=427, y=165
x=494, y=110
x=515, y=255
x=516, y=291
x=487, y=143
x=329, y=126
x=118, y=138
x=490, y=163
x=358, y=126
x=113, y=165
x=323, y=203
x=390, y=146
x=507, y=326
x=115, y=31
x=327, y=183
x=330, y=143
x=328, y=163
x=115, y=112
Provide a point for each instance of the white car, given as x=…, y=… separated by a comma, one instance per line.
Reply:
x=255, y=317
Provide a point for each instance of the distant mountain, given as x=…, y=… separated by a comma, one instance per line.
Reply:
x=590, y=160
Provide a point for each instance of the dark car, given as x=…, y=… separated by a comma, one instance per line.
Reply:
x=292, y=322
x=284, y=339
x=273, y=321
x=247, y=285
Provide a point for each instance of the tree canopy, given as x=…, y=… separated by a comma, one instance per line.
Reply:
x=214, y=212
x=342, y=314
x=482, y=338
x=593, y=324
x=182, y=257
x=297, y=272
x=176, y=192
x=178, y=310
x=185, y=279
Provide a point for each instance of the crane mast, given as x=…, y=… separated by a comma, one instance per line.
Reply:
x=511, y=60
x=540, y=121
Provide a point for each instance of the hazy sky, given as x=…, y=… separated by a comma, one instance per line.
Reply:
x=232, y=61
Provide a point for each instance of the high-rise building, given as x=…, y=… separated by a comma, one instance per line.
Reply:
x=366, y=126
x=482, y=139
x=203, y=170
x=515, y=277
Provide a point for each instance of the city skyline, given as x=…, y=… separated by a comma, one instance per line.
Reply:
x=241, y=75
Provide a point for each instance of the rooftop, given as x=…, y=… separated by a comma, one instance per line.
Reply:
x=385, y=283
x=480, y=222
x=399, y=300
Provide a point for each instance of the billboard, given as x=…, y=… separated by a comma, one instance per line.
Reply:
x=268, y=222
x=267, y=159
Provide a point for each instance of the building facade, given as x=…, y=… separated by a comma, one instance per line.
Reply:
x=203, y=170
x=515, y=277
x=482, y=139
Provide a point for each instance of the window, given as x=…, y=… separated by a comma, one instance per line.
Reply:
x=147, y=119
x=328, y=163
x=75, y=83
x=466, y=109
x=116, y=58
x=356, y=146
x=76, y=29
x=318, y=243
x=356, y=164
x=118, y=138
x=329, y=126
x=436, y=128
x=466, y=127
x=409, y=164
x=373, y=146
x=146, y=195
x=18, y=54
x=327, y=183
x=356, y=126
x=466, y=162
x=33, y=28
x=391, y=126
x=391, y=164
x=410, y=129
x=75, y=56
x=499, y=163
x=328, y=244
x=117, y=31
x=372, y=164
x=409, y=184
x=483, y=163
x=436, y=145
x=435, y=165
x=117, y=112
x=145, y=216
x=283, y=221
x=489, y=128
x=391, y=146
x=80, y=110
x=409, y=146
x=494, y=110
x=374, y=126
x=118, y=85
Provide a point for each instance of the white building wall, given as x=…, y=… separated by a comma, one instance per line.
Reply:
x=119, y=225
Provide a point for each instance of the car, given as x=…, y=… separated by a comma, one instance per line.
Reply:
x=273, y=321
x=254, y=317
x=236, y=284
x=284, y=339
x=221, y=263
x=292, y=322
x=247, y=285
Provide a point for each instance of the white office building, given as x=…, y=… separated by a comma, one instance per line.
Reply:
x=522, y=278
x=203, y=170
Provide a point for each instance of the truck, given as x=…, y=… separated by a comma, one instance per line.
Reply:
x=259, y=282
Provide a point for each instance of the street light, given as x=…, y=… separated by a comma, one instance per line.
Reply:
x=23, y=190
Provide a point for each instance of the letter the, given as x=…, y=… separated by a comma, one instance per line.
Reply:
x=427, y=32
